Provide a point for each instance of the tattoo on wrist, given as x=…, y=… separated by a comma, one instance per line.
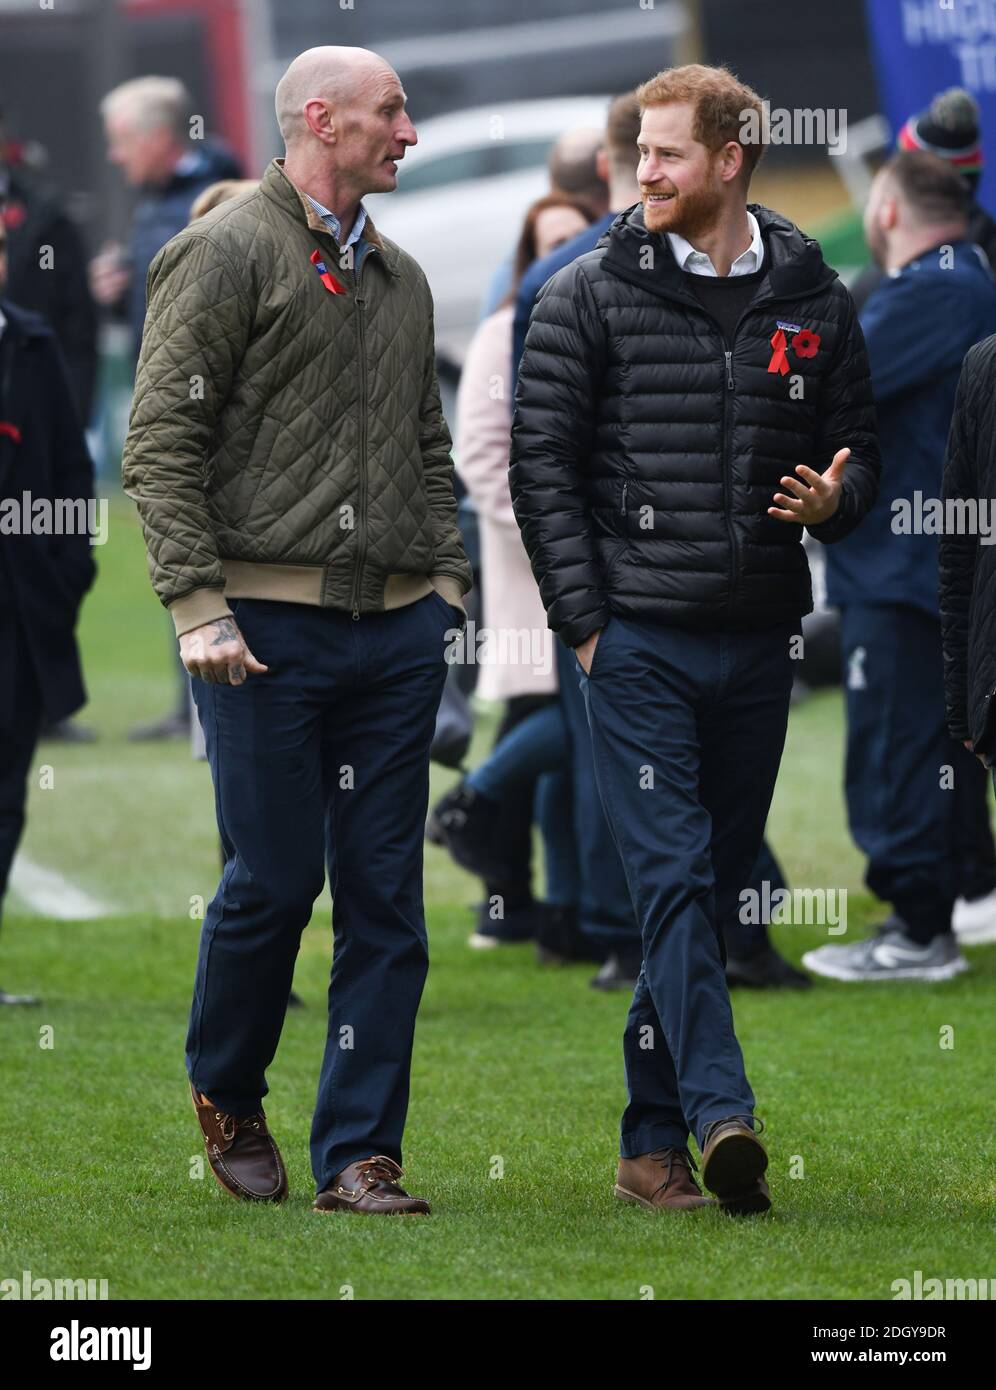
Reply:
x=226, y=632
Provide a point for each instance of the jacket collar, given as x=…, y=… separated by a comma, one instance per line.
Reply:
x=793, y=262
x=966, y=256
x=276, y=185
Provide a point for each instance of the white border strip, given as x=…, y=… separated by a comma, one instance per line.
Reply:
x=49, y=894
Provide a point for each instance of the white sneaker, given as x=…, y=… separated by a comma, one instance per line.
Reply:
x=888, y=955
x=974, y=923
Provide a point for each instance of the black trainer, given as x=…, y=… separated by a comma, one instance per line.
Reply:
x=620, y=970
x=559, y=938
x=512, y=928
x=765, y=970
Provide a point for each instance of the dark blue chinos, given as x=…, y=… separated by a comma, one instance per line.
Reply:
x=687, y=731
x=903, y=768
x=325, y=759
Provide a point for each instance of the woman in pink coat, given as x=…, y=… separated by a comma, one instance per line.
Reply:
x=511, y=601
x=486, y=821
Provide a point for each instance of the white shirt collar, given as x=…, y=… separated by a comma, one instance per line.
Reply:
x=698, y=262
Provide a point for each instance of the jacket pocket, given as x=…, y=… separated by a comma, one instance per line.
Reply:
x=614, y=558
x=595, y=658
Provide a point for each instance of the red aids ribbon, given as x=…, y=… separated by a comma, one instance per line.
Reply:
x=7, y=428
x=329, y=281
x=806, y=343
x=779, y=362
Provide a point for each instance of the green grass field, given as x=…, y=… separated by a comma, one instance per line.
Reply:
x=892, y=1134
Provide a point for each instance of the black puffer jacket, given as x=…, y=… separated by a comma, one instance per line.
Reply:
x=645, y=453
x=968, y=567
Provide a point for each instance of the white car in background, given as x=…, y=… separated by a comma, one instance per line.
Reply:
x=462, y=193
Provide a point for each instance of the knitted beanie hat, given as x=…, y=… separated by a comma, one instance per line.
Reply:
x=950, y=128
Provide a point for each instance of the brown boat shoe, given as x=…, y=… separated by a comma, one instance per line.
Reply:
x=241, y=1151
x=642, y=1181
x=733, y=1165
x=368, y=1186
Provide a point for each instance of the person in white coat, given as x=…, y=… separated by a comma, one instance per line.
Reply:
x=486, y=821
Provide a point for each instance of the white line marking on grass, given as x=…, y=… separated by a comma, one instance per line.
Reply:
x=51, y=895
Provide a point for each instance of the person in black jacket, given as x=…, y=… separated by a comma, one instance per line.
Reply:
x=968, y=557
x=692, y=393
x=46, y=270
x=43, y=576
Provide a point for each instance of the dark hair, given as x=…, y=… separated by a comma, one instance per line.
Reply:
x=931, y=185
x=525, y=252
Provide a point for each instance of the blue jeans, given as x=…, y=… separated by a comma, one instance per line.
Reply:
x=687, y=730
x=325, y=759
x=533, y=758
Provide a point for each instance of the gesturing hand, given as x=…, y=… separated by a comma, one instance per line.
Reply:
x=809, y=505
x=217, y=653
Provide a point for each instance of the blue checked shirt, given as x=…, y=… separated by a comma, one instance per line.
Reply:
x=355, y=237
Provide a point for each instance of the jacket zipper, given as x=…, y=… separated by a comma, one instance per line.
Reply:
x=625, y=489
x=725, y=460
x=361, y=520
x=727, y=466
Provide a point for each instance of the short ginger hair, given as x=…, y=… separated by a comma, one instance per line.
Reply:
x=721, y=103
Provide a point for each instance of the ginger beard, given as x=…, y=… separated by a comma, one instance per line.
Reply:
x=689, y=213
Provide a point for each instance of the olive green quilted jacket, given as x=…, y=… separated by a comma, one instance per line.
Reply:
x=286, y=441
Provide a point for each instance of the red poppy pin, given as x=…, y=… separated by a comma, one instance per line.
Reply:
x=805, y=343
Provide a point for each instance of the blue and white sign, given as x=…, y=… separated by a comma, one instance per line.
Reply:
x=920, y=47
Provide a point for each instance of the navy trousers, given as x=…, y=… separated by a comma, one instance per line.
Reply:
x=925, y=832
x=324, y=760
x=687, y=731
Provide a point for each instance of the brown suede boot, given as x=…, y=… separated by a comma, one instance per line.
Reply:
x=242, y=1153
x=659, y=1180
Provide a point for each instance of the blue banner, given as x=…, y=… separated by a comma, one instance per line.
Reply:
x=920, y=47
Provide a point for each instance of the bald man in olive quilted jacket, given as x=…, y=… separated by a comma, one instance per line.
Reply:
x=291, y=466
